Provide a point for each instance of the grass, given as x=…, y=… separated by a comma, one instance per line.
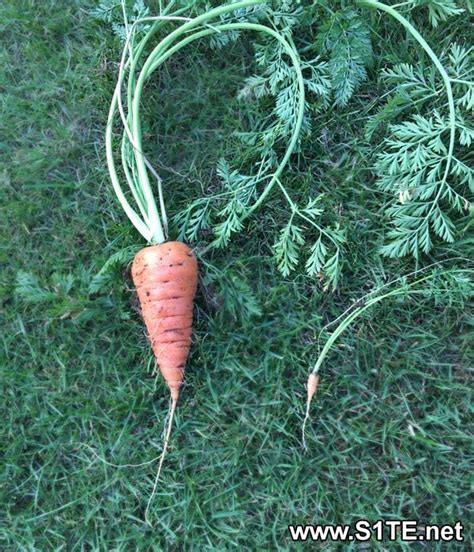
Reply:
x=390, y=430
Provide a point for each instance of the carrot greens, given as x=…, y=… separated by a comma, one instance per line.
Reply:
x=151, y=222
x=420, y=164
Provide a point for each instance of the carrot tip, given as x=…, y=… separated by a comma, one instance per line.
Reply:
x=174, y=392
x=312, y=385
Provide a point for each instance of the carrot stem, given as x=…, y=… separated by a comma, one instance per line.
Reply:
x=150, y=221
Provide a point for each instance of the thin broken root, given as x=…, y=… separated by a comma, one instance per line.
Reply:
x=107, y=463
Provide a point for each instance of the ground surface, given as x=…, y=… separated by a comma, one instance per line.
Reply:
x=390, y=432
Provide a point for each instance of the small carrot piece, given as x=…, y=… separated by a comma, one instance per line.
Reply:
x=165, y=277
x=312, y=386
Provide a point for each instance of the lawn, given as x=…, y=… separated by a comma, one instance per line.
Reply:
x=390, y=432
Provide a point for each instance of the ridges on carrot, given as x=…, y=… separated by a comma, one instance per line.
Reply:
x=165, y=278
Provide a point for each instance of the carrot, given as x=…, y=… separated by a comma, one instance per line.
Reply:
x=311, y=387
x=165, y=277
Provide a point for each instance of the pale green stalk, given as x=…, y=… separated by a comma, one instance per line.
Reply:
x=369, y=301
x=155, y=63
x=151, y=225
x=140, y=224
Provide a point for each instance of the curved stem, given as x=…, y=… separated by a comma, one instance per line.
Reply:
x=151, y=226
x=161, y=53
x=351, y=316
x=296, y=63
x=156, y=227
x=141, y=226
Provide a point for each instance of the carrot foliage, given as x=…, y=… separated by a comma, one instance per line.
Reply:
x=308, y=62
x=149, y=220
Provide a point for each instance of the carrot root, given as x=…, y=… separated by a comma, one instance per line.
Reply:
x=174, y=403
x=165, y=277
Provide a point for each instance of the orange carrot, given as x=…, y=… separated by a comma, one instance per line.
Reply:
x=165, y=277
